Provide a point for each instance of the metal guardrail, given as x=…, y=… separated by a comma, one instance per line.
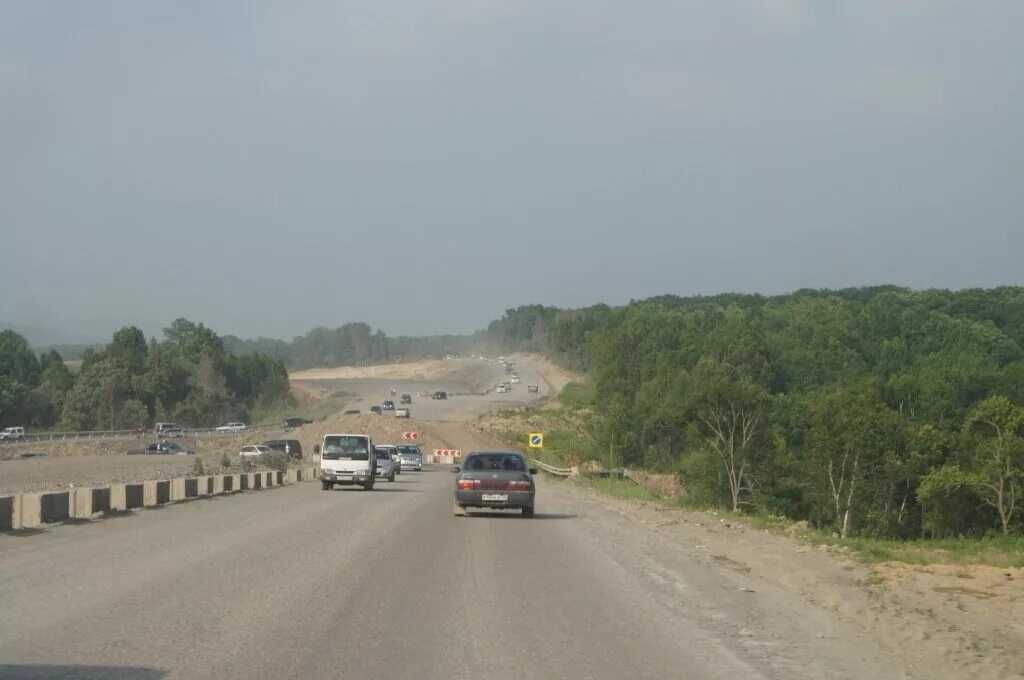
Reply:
x=131, y=434
x=552, y=470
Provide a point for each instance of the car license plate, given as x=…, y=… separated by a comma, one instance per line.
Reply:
x=345, y=477
x=495, y=497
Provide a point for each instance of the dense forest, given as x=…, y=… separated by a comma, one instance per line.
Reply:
x=189, y=377
x=874, y=411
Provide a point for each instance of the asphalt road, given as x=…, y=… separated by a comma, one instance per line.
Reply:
x=298, y=582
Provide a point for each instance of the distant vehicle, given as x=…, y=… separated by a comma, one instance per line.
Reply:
x=376, y=410
x=403, y=413
x=345, y=459
x=12, y=434
x=298, y=422
x=233, y=427
x=168, y=430
x=501, y=360
x=409, y=457
x=289, y=447
x=440, y=394
x=532, y=388
x=514, y=379
x=387, y=467
x=494, y=479
x=165, y=448
x=351, y=412
x=388, y=405
x=502, y=388
x=255, y=450
x=405, y=399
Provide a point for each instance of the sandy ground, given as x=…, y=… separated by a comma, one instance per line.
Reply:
x=428, y=369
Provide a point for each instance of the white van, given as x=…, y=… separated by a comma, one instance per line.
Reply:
x=347, y=459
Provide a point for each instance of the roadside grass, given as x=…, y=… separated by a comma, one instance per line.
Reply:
x=312, y=410
x=578, y=395
x=1003, y=552
x=995, y=551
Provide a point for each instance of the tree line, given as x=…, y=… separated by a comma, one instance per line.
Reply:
x=351, y=344
x=188, y=377
x=871, y=411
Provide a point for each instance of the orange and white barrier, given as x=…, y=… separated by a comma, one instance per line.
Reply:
x=446, y=456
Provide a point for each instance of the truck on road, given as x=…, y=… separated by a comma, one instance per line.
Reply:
x=346, y=460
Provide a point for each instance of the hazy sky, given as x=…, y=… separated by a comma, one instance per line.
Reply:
x=422, y=166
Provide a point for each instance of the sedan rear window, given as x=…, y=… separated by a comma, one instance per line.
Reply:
x=409, y=450
x=495, y=461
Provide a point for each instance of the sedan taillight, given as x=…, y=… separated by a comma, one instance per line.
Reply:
x=468, y=484
x=519, y=486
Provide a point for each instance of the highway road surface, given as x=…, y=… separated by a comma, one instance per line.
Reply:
x=298, y=582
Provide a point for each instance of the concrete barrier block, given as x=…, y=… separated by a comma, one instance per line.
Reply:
x=55, y=506
x=135, y=495
x=30, y=513
x=177, y=489
x=7, y=504
x=118, y=498
x=278, y=477
x=217, y=485
x=270, y=478
x=246, y=481
x=86, y=502
x=149, y=493
x=232, y=483
x=292, y=476
x=156, y=492
x=206, y=485
x=257, y=480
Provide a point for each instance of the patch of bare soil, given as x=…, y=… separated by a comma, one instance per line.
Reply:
x=554, y=375
x=956, y=622
x=666, y=486
x=428, y=369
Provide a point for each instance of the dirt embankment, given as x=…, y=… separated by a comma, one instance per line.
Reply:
x=428, y=369
x=554, y=375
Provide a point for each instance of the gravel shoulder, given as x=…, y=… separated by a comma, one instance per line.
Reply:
x=931, y=622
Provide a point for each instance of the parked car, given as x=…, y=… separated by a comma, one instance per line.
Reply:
x=501, y=389
x=255, y=450
x=165, y=448
x=532, y=388
x=386, y=466
x=12, y=434
x=405, y=399
x=376, y=410
x=297, y=422
x=388, y=405
x=514, y=379
x=440, y=394
x=494, y=479
x=232, y=427
x=409, y=457
x=403, y=413
x=289, y=447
